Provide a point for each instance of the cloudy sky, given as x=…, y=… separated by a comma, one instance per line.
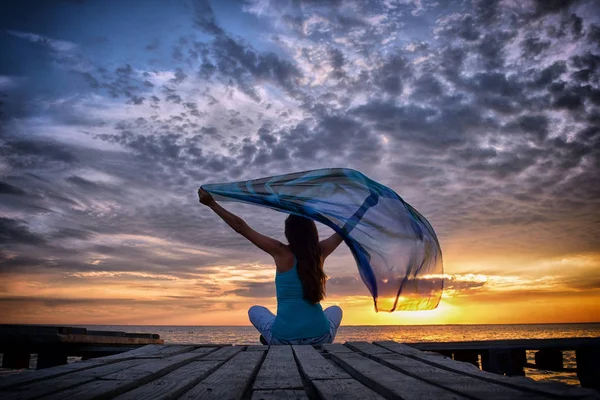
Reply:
x=483, y=115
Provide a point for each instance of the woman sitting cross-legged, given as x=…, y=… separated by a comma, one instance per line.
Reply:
x=299, y=280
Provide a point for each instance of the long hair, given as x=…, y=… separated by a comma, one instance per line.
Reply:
x=303, y=238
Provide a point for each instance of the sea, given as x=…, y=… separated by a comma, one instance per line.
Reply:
x=401, y=333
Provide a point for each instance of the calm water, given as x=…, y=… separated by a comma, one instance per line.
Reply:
x=424, y=333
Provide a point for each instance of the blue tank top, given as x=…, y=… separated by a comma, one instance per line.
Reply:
x=296, y=317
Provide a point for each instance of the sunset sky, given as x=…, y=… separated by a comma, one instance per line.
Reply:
x=483, y=115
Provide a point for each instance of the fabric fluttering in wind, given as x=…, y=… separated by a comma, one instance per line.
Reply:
x=396, y=250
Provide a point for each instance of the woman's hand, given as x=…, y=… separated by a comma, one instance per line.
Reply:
x=205, y=198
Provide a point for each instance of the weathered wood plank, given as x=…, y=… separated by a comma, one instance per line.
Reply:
x=278, y=370
x=279, y=395
x=173, y=384
x=368, y=348
x=450, y=380
x=124, y=380
x=347, y=389
x=521, y=383
x=16, y=329
x=147, y=350
x=64, y=382
x=230, y=381
x=259, y=347
x=35, y=376
x=525, y=344
x=166, y=351
x=224, y=353
x=22, y=379
x=388, y=382
x=338, y=348
x=158, y=367
x=314, y=366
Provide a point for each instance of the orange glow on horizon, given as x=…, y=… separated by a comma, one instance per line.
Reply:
x=545, y=291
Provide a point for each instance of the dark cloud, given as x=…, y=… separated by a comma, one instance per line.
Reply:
x=391, y=75
x=14, y=231
x=180, y=76
x=491, y=49
x=247, y=67
x=552, y=6
x=533, y=46
x=6, y=188
x=254, y=289
x=549, y=74
x=30, y=153
x=537, y=126
x=204, y=18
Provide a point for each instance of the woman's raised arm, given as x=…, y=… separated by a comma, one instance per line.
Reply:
x=269, y=245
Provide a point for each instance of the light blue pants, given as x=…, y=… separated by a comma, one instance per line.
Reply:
x=262, y=319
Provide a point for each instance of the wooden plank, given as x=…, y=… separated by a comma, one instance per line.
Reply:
x=279, y=395
x=347, y=389
x=33, y=342
x=35, y=376
x=124, y=380
x=338, y=348
x=450, y=380
x=144, y=350
x=314, y=366
x=93, y=339
x=259, y=347
x=167, y=351
x=521, y=383
x=173, y=384
x=367, y=348
x=230, y=381
x=525, y=344
x=64, y=382
x=278, y=370
x=388, y=382
x=38, y=329
x=223, y=354
x=329, y=380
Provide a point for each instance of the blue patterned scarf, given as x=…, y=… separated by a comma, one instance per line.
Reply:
x=396, y=250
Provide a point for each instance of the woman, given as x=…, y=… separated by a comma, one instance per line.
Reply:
x=299, y=280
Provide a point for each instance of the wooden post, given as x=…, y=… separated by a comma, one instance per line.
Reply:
x=51, y=359
x=504, y=361
x=470, y=356
x=588, y=366
x=549, y=359
x=15, y=359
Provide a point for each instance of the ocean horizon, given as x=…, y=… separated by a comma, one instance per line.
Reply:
x=247, y=335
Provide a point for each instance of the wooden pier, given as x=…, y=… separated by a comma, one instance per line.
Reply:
x=355, y=370
x=53, y=344
x=508, y=356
